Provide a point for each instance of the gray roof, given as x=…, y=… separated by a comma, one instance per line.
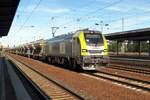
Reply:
x=138, y=34
x=7, y=13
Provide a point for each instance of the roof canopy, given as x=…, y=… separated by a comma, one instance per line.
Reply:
x=138, y=34
x=7, y=13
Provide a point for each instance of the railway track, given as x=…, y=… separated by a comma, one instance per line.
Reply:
x=132, y=65
x=130, y=68
x=29, y=85
x=15, y=85
x=128, y=61
x=121, y=86
x=50, y=87
x=132, y=83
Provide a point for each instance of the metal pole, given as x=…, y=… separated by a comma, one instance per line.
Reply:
x=101, y=26
x=122, y=24
x=149, y=48
x=117, y=47
x=139, y=48
x=78, y=20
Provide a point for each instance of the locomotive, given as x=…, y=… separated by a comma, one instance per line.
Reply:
x=85, y=49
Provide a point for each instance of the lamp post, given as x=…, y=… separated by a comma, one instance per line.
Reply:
x=122, y=24
x=78, y=20
x=102, y=25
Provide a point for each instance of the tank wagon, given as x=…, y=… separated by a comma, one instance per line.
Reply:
x=38, y=49
x=84, y=49
x=26, y=49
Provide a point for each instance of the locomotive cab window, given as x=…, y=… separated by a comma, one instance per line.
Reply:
x=94, y=39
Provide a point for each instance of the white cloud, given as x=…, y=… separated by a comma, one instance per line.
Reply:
x=48, y=10
x=145, y=8
x=55, y=10
x=119, y=9
x=106, y=1
x=114, y=8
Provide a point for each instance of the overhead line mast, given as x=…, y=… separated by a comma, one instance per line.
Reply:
x=54, y=29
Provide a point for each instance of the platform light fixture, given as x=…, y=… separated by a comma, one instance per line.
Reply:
x=102, y=25
x=147, y=41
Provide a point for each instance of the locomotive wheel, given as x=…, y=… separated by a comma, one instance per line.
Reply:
x=74, y=65
x=49, y=60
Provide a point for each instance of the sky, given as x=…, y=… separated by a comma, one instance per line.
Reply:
x=34, y=18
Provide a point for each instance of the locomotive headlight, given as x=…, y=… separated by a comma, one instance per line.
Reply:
x=105, y=50
x=84, y=50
